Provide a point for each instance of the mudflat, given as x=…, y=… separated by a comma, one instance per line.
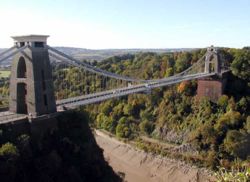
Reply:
x=139, y=166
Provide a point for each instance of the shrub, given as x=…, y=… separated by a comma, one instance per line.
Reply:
x=8, y=150
x=241, y=175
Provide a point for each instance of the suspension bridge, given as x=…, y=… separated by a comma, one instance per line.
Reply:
x=41, y=81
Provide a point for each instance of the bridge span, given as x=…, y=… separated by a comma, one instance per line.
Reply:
x=31, y=84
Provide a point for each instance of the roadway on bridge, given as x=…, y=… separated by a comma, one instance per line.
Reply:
x=7, y=117
x=101, y=96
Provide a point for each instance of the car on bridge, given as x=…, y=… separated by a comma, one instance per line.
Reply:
x=147, y=85
x=116, y=91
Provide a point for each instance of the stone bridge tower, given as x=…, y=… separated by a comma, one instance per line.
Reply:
x=212, y=62
x=31, y=83
x=212, y=87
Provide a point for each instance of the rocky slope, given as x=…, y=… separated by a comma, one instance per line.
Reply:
x=138, y=166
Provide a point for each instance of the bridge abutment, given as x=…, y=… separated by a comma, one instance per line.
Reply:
x=212, y=87
x=35, y=128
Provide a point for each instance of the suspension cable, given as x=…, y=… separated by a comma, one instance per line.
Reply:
x=14, y=53
x=94, y=69
x=8, y=50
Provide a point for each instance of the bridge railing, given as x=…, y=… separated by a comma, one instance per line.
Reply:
x=6, y=117
x=101, y=96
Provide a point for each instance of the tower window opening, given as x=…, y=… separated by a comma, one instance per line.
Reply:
x=43, y=75
x=21, y=98
x=22, y=44
x=25, y=90
x=39, y=44
x=43, y=80
x=44, y=85
x=45, y=100
x=21, y=68
x=211, y=67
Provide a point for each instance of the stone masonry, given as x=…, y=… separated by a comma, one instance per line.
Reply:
x=31, y=83
x=212, y=87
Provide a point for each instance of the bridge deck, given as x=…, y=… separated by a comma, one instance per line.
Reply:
x=7, y=116
x=101, y=96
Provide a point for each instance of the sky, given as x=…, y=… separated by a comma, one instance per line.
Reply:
x=104, y=24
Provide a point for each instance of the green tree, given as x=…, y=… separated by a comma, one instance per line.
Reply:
x=237, y=143
x=242, y=105
x=247, y=124
x=241, y=64
x=146, y=127
x=122, y=129
x=230, y=120
x=104, y=122
x=9, y=151
x=106, y=108
x=128, y=110
x=169, y=72
x=183, y=62
x=223, y=102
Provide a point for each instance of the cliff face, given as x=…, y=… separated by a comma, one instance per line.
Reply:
x=67, y=152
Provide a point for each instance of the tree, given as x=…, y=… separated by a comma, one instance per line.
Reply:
x=104, y=122
x=241, y=65
x=247, y=124
x=106, y=108
x=242, y=105
x=146, y=115
x=237, y=143
x=146, y=127
x=185, y=87
x=9, y=151
x=126, y=128
x=223, y=102
x=230, y=120
x=128, y=109
x=231, y=104
x=117, y=112
x=122, y=129
x=169, y=72
x=183, y=62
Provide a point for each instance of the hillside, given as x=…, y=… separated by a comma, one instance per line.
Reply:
x=206, y=133
x=101, y=54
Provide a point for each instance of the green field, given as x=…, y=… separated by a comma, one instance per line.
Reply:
x=4, y=74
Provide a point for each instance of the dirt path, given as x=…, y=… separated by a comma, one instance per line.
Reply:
x=151, y=140
x=139, y=166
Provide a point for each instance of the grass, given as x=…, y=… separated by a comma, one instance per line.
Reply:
x=4, y=74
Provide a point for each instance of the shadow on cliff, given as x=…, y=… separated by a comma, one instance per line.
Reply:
x=67, y=152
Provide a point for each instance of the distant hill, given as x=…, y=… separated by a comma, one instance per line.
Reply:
x=7, y=62
x=100, y=54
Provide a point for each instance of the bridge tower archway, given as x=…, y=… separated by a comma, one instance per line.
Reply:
x=31, y=83
x=212, y=63
x=21, y=68
x=21, y=107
